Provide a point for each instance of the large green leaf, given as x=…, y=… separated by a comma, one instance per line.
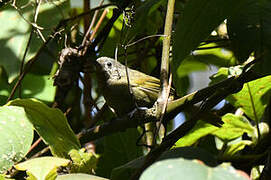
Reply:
x=126, y=170
x=189, y=170
x=16, y=136
x=253, y=98
x=51, y=125
x=43, y=168
x=16, y=31
x=199, y=19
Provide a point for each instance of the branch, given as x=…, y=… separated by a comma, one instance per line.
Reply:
x=165, y=85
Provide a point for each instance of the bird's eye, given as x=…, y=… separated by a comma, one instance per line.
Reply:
x=109, y=64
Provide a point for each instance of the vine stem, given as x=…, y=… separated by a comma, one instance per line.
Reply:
x=165, y=85
x=164, y=73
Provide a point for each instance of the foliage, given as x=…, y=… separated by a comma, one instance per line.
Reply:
x=54, y=122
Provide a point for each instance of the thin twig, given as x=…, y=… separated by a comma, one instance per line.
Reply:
x=91, y=25
x=29, y=40
x=26, y=20
x=33, y=145
x=144, y=38
x=98, y=24
x=24, y=56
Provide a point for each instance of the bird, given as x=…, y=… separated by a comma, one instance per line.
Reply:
x=112, y=79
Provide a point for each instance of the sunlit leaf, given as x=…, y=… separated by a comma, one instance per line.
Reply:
x=234, y=148
x=43, y=168
x=51, y=124
x=16, y=136
x=233, y=127
x=253, y=98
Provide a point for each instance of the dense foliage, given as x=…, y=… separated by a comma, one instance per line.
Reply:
x=54, y=121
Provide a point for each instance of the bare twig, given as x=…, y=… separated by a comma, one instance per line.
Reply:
x=98, y=24
x=24, y=56
x=87, y=13
x=87, y=35
x=144, y=38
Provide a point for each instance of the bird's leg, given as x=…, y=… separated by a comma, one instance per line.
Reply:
x=131, y=114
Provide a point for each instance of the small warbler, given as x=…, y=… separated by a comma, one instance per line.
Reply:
x=112, y=78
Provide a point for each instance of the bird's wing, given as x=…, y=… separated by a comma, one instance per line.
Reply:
x=148, y=84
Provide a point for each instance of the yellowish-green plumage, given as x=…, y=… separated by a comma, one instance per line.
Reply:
x=113, y=81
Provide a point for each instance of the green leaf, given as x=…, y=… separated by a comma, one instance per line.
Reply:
x=234, y=148
x=38, y=87
x=200, y=130
x=119, y=149
x=199, y=19
x=233, y=127
x=43, y=168
x=13, y=40
x=125, y=171
x=51, y=125
x=33, y=86
x=16, y=136
x=79, y=176
x=260, y=90
x=189, y=170
x=216, y=56
x=83, y=162
x=190, y=64
x=221, y=74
